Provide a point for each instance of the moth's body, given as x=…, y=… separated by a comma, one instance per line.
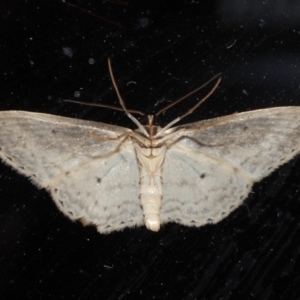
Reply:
x=150, y=155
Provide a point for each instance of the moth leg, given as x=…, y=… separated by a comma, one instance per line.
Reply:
x=220, y=121
x=96, y=136
x=180, y=132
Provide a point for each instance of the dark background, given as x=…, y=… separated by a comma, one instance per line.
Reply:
x=160, y=50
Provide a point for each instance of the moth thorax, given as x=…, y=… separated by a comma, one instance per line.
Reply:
x=151, y=158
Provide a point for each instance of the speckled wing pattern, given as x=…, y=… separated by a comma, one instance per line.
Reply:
x=211, y=168
x=91, y=179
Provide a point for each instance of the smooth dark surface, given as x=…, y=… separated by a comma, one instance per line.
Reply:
x=161, y=50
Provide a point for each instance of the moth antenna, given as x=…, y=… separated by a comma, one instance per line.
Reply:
x=122, y=103
x=187, y=95
x=190, y=110
x=132, y=111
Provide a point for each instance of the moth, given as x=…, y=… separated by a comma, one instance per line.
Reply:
x=114, y=177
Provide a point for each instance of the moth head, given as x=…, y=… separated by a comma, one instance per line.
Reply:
x=150, y=127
